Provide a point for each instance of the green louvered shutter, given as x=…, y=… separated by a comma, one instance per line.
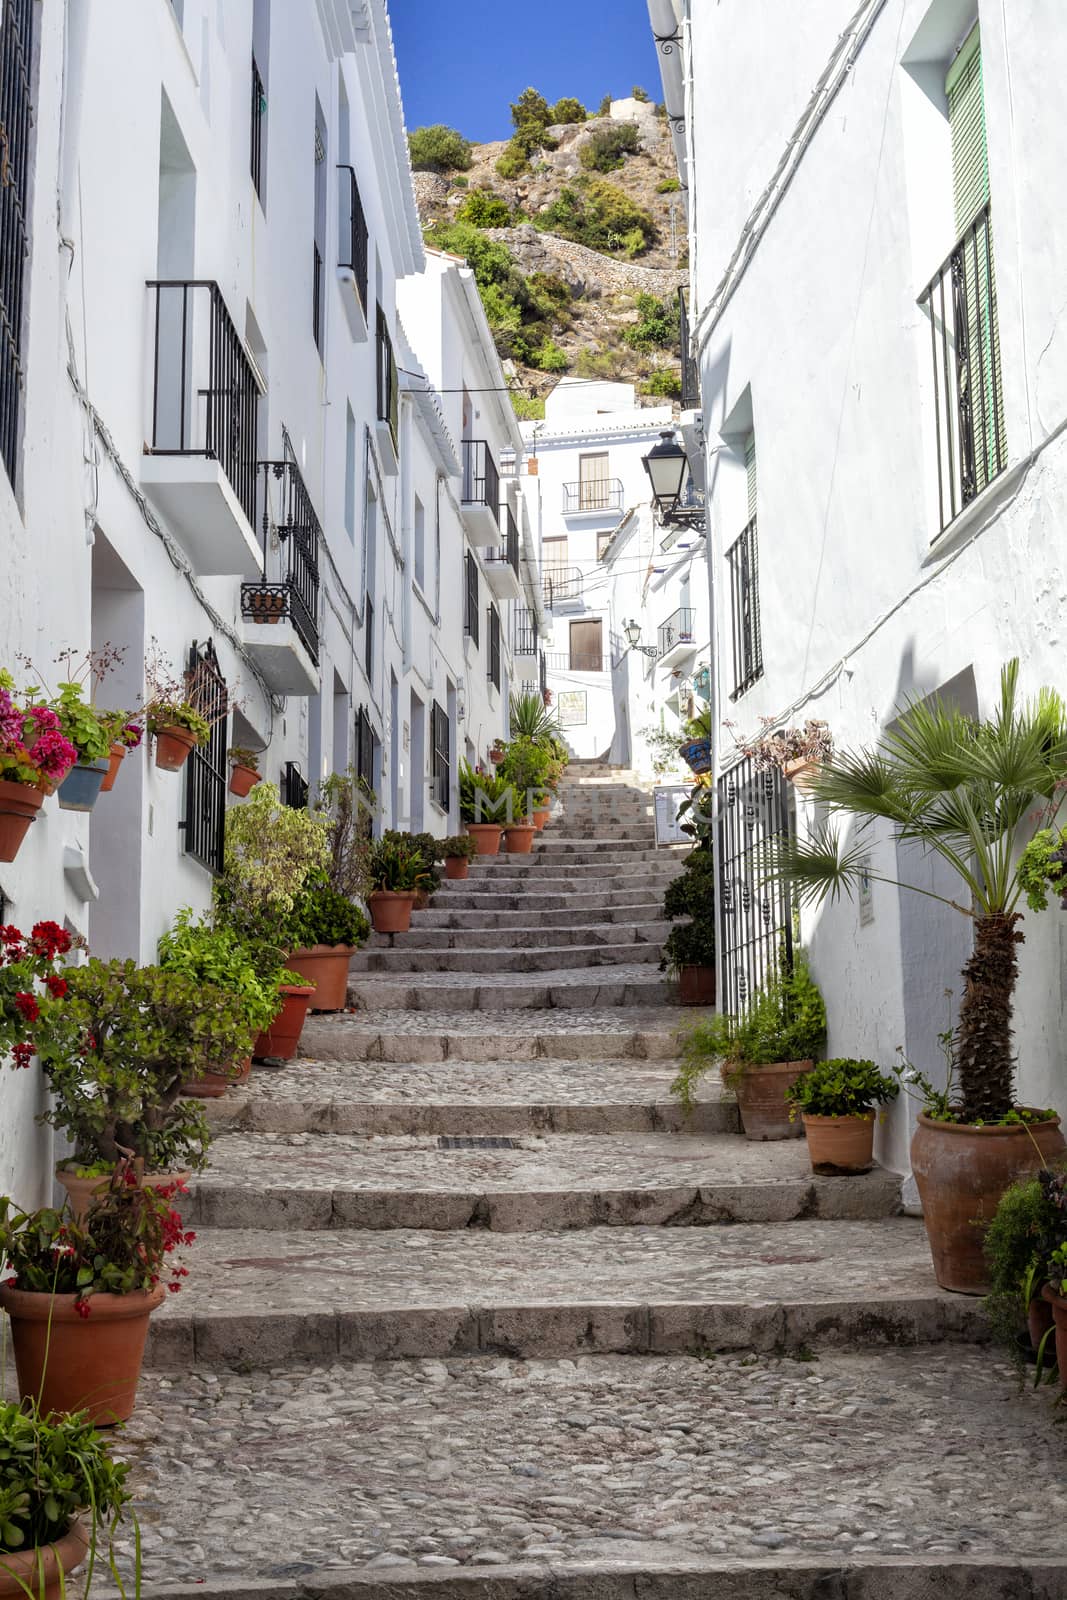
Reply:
x=750, y=470
x=970, y=176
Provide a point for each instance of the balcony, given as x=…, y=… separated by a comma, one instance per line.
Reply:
x=960, y=302
x=280, y=612
x=562, y=588
x=353, y=253
x=199, y=468
x=676, y=638
x=579, y=660
x=388, y=413
x=481, y=492
x=523, y=633
x=593, y=497
x=502, y=562
x=690, y=370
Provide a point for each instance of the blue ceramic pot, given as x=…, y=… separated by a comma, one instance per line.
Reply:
x=79, y=789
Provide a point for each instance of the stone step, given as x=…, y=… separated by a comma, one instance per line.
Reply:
x=262, y=1298
x=622, y=913
x=632, y=984
x=610, y=1033
x=315, y=1181
x=520, y=937
x=650, y=880
x=543, y=863
x=571, y=844
x=551, y=871
x=492, y=1099
x=463, y=897
x=478, y=960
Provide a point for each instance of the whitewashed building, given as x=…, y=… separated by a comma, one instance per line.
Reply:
x=878, y=258
x=208, y=406
x=607, y=563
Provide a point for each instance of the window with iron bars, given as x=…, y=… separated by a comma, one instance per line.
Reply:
x=471, y=608
x=205, y=768
x=368, y=640
x=388, y=380
x=524, y=637
x=441, y=738
x=16, y=121
x=494, y=647
x=294, y=787
x=364, y=748
x=259, y=112
x=743, y=560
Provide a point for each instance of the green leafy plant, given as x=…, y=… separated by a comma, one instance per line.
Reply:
x=530, y=718
x=842, y=1087
x=271, y=853
x=637, y=93
x=690, y=944
x=54, y=1469
x=427, y=846
x=242, y=756
x=439, y=149
x=528, y=408
x=460, y=847
x=350, y=804
x=669, y=186
x=1042, y=868
x=81, y=723
x=692, y=892
x=220, y=957
x=666, y=382
x=397, y=865
x=568, y=110
x=526, y=766
x=961, y=789
x=513, y=160
x=1020, y=1247
x=483, y=209
x=601, y=216
x=606, y=149
x=483, y=796
x=787, y=1022
x=322, y=916
x=550, y=357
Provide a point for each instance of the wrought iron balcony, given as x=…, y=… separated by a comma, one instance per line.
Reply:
x=524, y=633
x=588, y=498
x=289, y=589
x=200, y=464
x=562, y=587
x=690, y=370
x=960, y=302
x=388, y=396
x=580, y=660
x=502, y=562
x=676, y=636
x=353, y=251
x=293, y=789
x=481, y=491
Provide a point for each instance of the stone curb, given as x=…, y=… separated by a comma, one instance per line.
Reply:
x=245, y=1114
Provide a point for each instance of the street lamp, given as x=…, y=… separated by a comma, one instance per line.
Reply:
x=632, y=630
x=667, y=468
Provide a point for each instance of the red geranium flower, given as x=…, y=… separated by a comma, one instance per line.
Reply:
x=27, y=1005
x=82, y=1307
x=56, y=986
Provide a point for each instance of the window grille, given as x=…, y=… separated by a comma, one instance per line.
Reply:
x=354, y=246
x=259, y=114
x=388, y=380
x=743, y=561
x=294, y=788
x=471, y=609
x=16, y=119
x=525, y=632
x=364, y=748
x=442, y=767
x=205, y=767
x=494, y=647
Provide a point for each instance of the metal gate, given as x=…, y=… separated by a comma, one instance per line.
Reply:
x=755, y=916
x=205, y=768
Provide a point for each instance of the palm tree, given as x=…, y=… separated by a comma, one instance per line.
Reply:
x=970, y=792
x=530, y=718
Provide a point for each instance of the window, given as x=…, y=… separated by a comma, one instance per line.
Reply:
x=419, y=544
x=16, y=120
x=259, y=108
x=593, y=481
x=470, y=608
x=364, y=748
x=368, y=641
x=388, y=384
x=554, y=556
x=294, y=788
x=524, y=640
x=586, y=646
x=750, y=473
x=494, y=647
x=205, y=767
x=350, y=474
x=441, y=736
x=744, y=591
x=603, y=539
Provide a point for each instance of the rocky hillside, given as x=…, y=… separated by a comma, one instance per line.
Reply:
x=577, y=254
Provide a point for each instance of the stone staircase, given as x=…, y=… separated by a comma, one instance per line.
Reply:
x=474, y=1315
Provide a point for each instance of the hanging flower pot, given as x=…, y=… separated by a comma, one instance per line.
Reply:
x=281, y=1039
x=243, y=780
x=497, y=753
x=801, y=772
x=80, y=789
x=390, y=909
x=115, y=760
x=696, y=753
x=19, y=805
x=74, y=1362
x=173, y=745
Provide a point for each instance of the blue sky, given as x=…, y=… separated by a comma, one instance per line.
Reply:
x=462, y=62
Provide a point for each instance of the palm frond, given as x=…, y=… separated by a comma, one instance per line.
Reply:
x=820, y=868
x=862, y=782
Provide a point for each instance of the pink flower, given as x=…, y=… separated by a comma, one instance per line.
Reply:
x=10, y=719
x=54, y=755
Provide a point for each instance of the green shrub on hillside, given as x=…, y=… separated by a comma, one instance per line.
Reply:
x=528, y=407
x=658, y=325
x=601, y=216
x=439, y=149
x=514, y=159
x=604, y=108
x=523, y=312
x=669, y=186
x=607, y=148
x=637, y=93
x=568, y=110
x=665, y=382
x=551, y=358
x=484, y=209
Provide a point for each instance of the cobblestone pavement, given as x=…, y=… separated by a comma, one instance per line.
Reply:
x=490, y=1462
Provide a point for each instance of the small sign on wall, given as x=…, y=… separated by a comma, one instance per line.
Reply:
x=667, y=799
x=573, y=707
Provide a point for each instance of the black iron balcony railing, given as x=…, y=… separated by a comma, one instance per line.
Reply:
x=481, y=480
x=368, y=639
x=597, y=494
x=690, y=370
x=961, y=304
x=205, y=392
x=542, y=672
x=524, y=633
x=388, y=381
x=493, y=672
x=259, y=112
x=509, y=551
x=561, y=584
x=585, y=659
x=16, y=121
x=678, y=629
x=354, y=237
x=294, y=787
x=290, y=586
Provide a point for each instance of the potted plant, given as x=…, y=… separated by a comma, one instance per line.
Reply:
x=81, y=1294
x=1027, y=1225
x=244, y=771
x=116, y=1047
x=689, y=950
x=349, y=804
x=797, y=752
x=964, y=790
x=325, y=930
x=427, y=846
x=89, y=729
x=59, y=1491
x=483, y=794
x=836, y=1102
x=34, y=756
x=762, y=1052
x=496, y=754
x=457, y=853
x=220, y=958
x=526, y=767
x=396, y=868
x=180, y=711
x=280, y=1041
x=30, y=971
x=125, y=733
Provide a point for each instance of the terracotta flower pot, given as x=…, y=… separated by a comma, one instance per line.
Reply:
x=761, y=1099
x=801, y=772
x=19, y=805
x=541, y=816
x=840, y=1144
x=23, y=1572
x=1039, y=1319
x=390, y=909
x=80, y=789
x=486, y=836
x=962, y=1171
x=172, y=748
x=519, y=838
x=242, y=780
x=115, y=760
x=696, y=986
x=93, y=1362
x=281, y=1039
x=456, y=867
x=213, y=1085
x=82, y=1191
x=326, y=966
x=1059, y=1313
